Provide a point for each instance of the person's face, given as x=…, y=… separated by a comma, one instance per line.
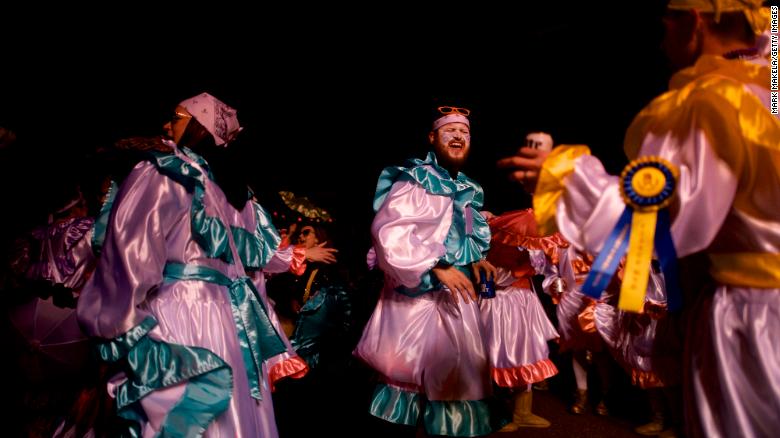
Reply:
x=451, y=143
x=681, y=42
x=175, y=128
x=307, y=237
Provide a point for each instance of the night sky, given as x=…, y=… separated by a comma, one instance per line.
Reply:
x=328, y=100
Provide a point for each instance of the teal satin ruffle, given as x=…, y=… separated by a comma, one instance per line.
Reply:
x=101, y=222
x=257, y=336
x=464, y=418
x=254, y=248
x=153, y=365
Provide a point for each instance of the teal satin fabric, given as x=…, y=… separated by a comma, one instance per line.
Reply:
x=468, y=238
x=153, y=365
x=256, y=334
x=101, y=222
x=464, y=418
x=254, y=248
x=330, y=305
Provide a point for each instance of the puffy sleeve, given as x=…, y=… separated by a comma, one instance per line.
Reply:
x=409, y=231
x=591, y=204
x=134, y=253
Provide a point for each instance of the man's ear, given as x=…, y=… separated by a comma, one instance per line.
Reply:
x=431, y=137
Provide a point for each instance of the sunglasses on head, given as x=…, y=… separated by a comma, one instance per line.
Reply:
x=454, y=110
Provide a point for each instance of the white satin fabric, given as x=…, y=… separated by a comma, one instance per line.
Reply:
x=430, y=343
x=516, y=330
x=149, y=227
x=409, y=232
x=736, y=362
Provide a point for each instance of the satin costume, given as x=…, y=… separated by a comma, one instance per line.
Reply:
x=171, y=295
x=516, y=327
x=715, y=126
x=427, y=347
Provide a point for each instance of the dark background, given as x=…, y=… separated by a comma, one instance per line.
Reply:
x=328, y=95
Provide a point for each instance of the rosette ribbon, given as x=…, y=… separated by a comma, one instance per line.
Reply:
x=647, y=186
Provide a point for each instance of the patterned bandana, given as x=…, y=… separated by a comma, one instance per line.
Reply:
x=219, y=119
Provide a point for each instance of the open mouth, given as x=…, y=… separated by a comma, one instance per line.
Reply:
x=456, y=144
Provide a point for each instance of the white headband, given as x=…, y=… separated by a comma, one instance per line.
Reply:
x=450, y=118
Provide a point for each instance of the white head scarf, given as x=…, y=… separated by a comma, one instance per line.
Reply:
x=218, y=118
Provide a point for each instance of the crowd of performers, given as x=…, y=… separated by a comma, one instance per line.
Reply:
x=165, y=302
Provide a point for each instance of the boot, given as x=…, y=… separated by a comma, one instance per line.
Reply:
x=652, y=428
x=656, y=398
x=580, y=401
x=601, y=409
x=522, y=416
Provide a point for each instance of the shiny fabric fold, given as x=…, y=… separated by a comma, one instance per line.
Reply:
x=715, y=126
x=257, y=336
x=520, y=377
x=210, y=232
x=153, y=364
x=256, y=248
x=60, y=253
x=396, y=405
x=516, y=331
x=101, y=222
x=760, y=270
x=518, y=228
x=294, y=367
x=419, y=337
x=549, y=188
x=462, y=247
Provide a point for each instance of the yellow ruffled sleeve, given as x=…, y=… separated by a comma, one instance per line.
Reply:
x=558, y=165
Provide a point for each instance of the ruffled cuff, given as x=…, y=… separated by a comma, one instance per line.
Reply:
x=558, y=165
x=298, y=263
x=293, y=366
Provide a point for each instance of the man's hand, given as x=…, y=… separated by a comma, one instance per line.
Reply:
x=319, y=253
x=524, y=166
x=457, y=282
x=484, y=265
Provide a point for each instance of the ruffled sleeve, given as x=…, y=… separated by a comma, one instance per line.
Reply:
x=591, y=204
x=409, y=231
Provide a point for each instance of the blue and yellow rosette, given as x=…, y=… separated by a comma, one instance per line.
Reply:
x=647, y=186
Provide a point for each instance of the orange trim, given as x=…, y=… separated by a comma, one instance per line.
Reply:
x=298, y=263
x=587, y=318
x=524, y=283
x=523, y=375
x=645, y=379
x=294, y=367
x=582, y=266
x=518, y=228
